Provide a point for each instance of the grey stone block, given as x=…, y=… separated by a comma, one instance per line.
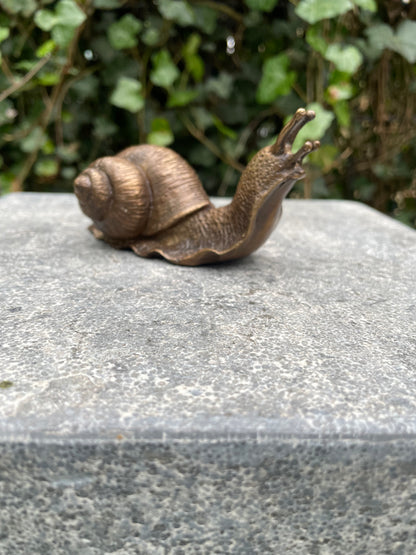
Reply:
x=262, y=406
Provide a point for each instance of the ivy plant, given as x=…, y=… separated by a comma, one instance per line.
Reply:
x=216, y=81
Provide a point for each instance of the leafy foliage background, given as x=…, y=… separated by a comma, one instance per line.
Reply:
x=215, y=81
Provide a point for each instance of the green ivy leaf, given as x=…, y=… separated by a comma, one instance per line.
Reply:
x=222, y=85
x=46, y=167
x=205, y=19
x=48, y=79
x=261, y=5
x=403, y=41
x=339, y=91
x=164, y=71
x=69, y=172
x=177, y=10
x=4, y=33
x=67, y=117
x=192, y=44
x=224, y=129
x=314, y=38
x=36, y=138
x=107, y=4
x=181, y=98
x=160, y=138
x=68, y=153
x=276, y=80
x=343, y=113
x=196, y=67
x=48, y=147
x=253, y=19
x=151, y=36
x=87, y=87
x=325, y=157
x=194, y=63
x=63, y=22
x=25, y=7
x=316, y=128
x=46, y=48
x=161, y=133
x=25, y=65
x=127, y=95
x=316, y=10
x=123, y=33
x=69, y=14
x=380, y=36
x=6, y=183
x=62, y=35
x=406, y=40
x=45, y=19
x=104, y=127
x=369, y=5
x=345, y=58
x=202, y=117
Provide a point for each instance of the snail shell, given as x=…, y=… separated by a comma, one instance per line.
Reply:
x=141, y=191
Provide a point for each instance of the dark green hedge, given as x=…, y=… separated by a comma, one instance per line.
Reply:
x=215, y=81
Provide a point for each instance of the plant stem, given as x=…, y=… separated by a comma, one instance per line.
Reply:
x=17, y=184
x=19, y=84
x=227, y=10
x=202, y=138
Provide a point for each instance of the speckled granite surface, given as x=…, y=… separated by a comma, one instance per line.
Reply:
x=263, y=406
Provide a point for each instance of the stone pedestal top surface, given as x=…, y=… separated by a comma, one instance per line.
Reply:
x=312, y=336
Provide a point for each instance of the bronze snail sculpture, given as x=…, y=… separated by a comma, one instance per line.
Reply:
x=149, y=199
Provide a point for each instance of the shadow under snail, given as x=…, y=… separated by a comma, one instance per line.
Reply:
x=149, y=199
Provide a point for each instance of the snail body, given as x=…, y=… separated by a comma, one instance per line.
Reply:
x=149, y=199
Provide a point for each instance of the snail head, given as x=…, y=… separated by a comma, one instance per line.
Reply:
x=277, y=165
x=282, y=148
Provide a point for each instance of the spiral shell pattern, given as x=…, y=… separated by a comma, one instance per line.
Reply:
x=115, y=194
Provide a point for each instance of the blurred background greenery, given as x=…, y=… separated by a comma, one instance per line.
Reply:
x=215, y=81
